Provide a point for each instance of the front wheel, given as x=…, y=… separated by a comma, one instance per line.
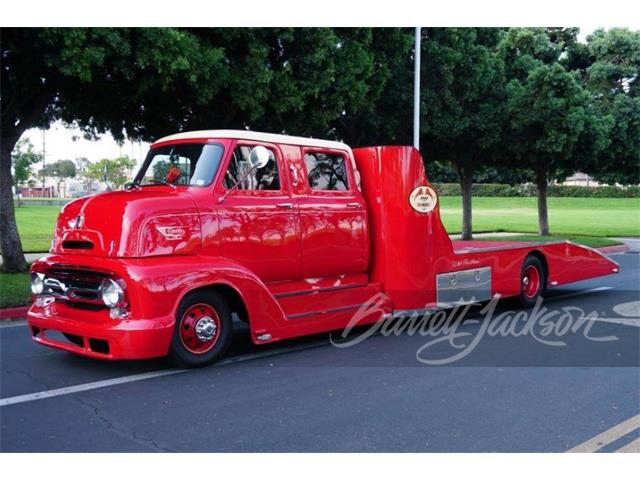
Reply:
x=533, y=281
x=202, y=330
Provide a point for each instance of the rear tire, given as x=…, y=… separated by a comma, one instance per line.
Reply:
x=533, y=281
x=202, y=330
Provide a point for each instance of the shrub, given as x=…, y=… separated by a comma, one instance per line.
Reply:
x=529, y=190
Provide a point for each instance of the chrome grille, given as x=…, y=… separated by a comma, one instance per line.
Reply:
x=74, y=285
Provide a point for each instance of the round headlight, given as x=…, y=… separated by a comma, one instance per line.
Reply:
x=112, y=293
x=37, y=283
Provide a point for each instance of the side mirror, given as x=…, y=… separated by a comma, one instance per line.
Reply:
x=259, y=157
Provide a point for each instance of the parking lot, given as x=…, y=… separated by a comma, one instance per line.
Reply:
x=510, y=393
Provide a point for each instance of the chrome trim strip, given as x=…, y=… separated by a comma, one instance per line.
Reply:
x=296, y=316
x=298, y=293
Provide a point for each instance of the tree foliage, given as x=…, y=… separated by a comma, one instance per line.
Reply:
x=23, y=158
x=552, y=124
x=612, y=74
x=462, y=102
x=115, y=172
x=60, y=170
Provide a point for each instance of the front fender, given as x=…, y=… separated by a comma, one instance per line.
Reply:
x=156, y=285
x=190, y=273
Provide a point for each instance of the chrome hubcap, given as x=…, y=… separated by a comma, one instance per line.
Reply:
x=525, y=281
x=205, y=329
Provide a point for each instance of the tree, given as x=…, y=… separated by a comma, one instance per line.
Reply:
x=60, y=170
x=462, y=103
x=74, y=74
x=114, y=172
x=620, y=161
x=379, y=95
x=611, y=71
x=23, y=158
x=549, y=121
x=552, y=127
x=82, y=166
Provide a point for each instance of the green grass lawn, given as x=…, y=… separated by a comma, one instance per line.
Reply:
x=14, y=290
x=36, y=224
x=598, y=217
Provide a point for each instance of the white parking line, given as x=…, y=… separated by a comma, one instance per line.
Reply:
x=633, y=447
x=608, y=436
x=630, y=322
x=12, y=323
x=30, y=397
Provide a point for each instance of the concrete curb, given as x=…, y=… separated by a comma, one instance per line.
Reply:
x=614, y=249
x=14, y=312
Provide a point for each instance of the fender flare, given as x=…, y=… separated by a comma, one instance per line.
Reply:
x=264, y=312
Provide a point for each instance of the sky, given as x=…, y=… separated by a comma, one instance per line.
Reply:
x=62, y=143
x=68, y=143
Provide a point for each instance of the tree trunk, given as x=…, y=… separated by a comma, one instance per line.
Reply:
x=465, y=172
x=12, y=254
x=543, y=214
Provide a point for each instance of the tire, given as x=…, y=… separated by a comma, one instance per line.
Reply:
x=202, y=330
x=533, y=281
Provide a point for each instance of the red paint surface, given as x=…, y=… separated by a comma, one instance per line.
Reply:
x=300, y=261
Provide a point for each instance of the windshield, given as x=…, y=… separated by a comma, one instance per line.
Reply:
x=193, y=164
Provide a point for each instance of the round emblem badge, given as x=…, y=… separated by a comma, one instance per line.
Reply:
x=423, y=199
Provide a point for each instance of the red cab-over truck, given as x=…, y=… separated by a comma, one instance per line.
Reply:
x=292, y=235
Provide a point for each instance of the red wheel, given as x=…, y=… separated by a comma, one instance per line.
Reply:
x=533, y=280
x=202, y=330
x=199, y=328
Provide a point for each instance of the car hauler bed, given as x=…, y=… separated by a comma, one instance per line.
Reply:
x=419, y=266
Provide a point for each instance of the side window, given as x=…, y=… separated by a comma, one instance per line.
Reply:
x=265, y=178
x=326, y=171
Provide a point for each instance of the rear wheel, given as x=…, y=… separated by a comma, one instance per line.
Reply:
x=533, y=280
x=202, y=330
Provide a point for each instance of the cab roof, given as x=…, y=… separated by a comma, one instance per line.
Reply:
x=256, y=136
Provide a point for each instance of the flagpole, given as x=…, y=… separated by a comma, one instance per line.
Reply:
x=416, y=91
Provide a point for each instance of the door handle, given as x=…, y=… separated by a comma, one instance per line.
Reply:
x=353, y=205
x=288, y=206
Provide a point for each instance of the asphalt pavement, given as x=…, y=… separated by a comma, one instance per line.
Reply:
x=478, y=388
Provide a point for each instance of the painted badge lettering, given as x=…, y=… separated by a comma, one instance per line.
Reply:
x=171, y=233
x=423, y=199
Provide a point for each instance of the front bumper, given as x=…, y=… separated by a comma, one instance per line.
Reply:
x=125, y=339
x=146, y=331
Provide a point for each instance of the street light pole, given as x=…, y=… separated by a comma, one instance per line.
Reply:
x=416, y=91
x=44, y=160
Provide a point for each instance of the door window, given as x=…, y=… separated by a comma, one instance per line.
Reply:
x=241, y=172
x=326, y=171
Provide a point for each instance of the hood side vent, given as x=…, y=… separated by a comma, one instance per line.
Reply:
x=77, y=245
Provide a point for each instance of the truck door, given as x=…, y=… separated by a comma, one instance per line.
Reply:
x=333, y=216
x=258, y=224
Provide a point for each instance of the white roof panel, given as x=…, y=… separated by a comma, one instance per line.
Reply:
x=257, y=136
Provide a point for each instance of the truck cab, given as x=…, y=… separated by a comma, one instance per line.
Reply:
x=202, y=220
x=292, y=235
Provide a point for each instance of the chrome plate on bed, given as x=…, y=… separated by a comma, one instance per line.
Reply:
x=463, y=286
